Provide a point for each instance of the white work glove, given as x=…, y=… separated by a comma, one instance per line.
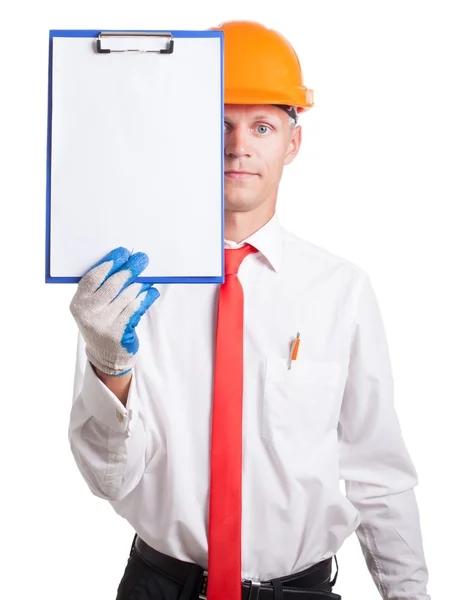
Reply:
x=107, y=307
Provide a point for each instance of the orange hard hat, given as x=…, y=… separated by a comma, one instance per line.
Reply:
x=261, y=67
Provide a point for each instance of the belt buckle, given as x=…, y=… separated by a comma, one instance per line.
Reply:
x=254, y=588
x=203, y=591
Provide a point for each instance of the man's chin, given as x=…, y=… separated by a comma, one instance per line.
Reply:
x=239, y=201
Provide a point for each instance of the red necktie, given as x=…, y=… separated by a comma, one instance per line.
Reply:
x=224, y=530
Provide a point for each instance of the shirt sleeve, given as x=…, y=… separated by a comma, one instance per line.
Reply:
x=107, y=439
x=374, y=462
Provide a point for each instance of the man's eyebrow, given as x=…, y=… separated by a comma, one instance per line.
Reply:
x=265, y=116
x=261, y=117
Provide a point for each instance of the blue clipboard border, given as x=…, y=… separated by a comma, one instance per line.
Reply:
x=94, y=33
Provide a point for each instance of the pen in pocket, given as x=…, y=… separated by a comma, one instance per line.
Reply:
x=294, y=349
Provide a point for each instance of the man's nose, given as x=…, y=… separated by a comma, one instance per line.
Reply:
x=237, y=143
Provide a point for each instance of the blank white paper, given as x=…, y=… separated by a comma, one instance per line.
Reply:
x=136, y=157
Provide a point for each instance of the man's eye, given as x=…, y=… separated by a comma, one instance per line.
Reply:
x=262, y=128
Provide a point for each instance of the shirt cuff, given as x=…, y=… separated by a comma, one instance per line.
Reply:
x=101, y=403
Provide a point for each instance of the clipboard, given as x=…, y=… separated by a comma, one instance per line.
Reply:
x=135, y=152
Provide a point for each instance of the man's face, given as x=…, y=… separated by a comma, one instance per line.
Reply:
x=259, y=141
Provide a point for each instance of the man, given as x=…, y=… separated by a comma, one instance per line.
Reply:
x=218, y=435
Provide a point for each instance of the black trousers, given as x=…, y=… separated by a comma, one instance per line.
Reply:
x=142, y=581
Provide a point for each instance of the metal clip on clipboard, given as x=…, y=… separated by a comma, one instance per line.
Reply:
x=113, y=36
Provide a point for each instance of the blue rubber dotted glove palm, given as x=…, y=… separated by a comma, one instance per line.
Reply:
x=107, y=307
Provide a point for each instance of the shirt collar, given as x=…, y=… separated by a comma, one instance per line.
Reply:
x=268, y=240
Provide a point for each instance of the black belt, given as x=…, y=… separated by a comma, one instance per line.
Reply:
x=291, y=587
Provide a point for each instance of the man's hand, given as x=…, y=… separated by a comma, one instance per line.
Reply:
x=107, y=307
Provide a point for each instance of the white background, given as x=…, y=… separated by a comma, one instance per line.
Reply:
x=381, y=179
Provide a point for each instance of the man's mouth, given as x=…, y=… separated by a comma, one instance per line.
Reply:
x=239, y=174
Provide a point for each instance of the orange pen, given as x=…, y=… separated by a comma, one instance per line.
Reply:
x=294, y=350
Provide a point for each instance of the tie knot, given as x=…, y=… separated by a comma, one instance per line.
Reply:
x=234, y=257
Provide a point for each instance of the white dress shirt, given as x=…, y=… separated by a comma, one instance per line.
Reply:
x=330, y=417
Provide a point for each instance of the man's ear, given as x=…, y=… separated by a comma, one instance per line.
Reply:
x=293, y=146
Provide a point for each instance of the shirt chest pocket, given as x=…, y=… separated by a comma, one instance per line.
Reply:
x=298, y=402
